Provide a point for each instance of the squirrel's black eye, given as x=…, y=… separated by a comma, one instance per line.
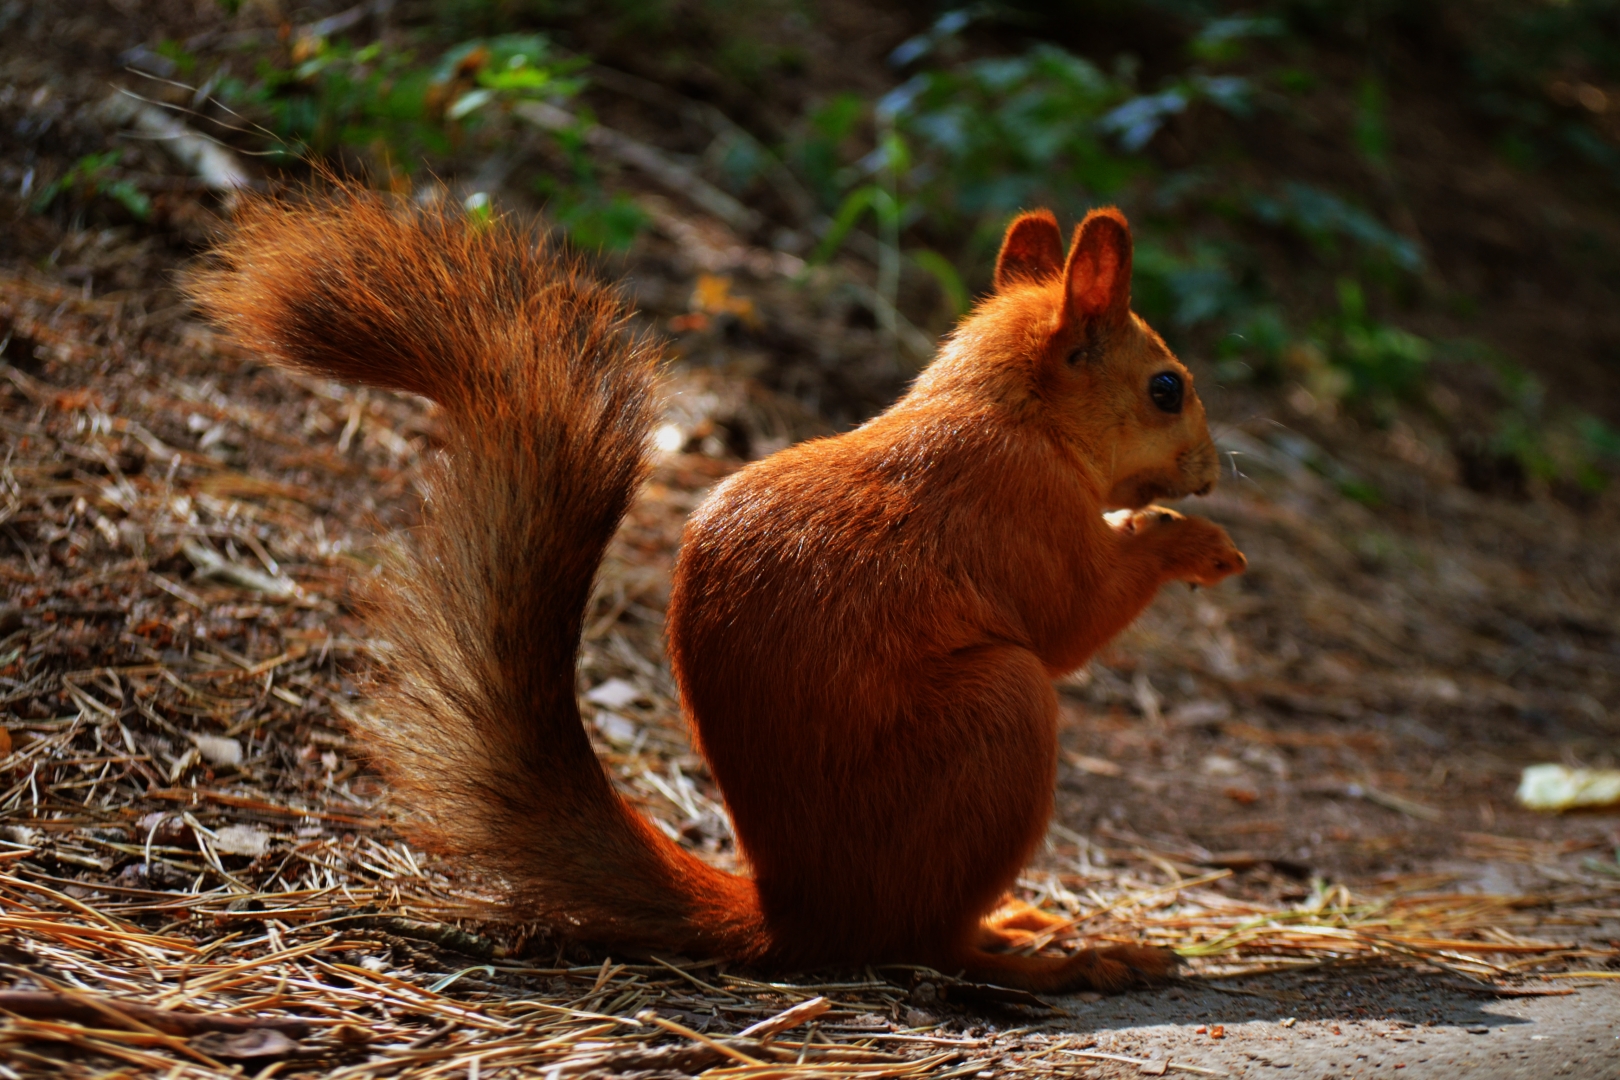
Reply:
x=1166, y=390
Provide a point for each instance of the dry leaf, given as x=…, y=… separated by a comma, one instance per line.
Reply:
x=616, y=729
x=246, y=1045
x=613, y=694
x=218, y=750
x=242, y=840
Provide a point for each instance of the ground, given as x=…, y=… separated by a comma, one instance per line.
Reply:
x=1303, y=779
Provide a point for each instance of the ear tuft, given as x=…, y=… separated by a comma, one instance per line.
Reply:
x=1099, y=269
x=1032, y=250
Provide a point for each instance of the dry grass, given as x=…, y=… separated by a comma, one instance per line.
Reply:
x=198, y=875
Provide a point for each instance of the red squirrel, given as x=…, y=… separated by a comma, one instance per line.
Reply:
x=864, y=628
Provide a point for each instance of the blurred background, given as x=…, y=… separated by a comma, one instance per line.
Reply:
x=1401, y=212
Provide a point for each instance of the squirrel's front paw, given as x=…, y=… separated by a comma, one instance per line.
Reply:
x=1205, y=555
x=1214, y=566
x=1196, y=549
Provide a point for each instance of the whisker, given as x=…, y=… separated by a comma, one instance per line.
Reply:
x=1232, y=425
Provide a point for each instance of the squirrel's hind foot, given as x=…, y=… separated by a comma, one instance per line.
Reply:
x=1109, y=970
x=1119, y=967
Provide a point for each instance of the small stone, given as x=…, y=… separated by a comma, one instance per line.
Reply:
x=242, y=840
x=254, y=1044
x=218, y=750
x=614, y=694
x=1477, y=1029
x=616, y=729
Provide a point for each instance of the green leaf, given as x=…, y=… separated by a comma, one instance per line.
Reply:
x=856, y=203
x=1371, y=129
x=131, y=198
x=944, y=273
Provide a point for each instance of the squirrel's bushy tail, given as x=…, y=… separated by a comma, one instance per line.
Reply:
x=547, y=402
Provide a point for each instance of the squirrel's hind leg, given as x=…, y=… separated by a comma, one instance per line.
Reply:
x=1013, y=924
x=1109, y=970
x=1014, y=914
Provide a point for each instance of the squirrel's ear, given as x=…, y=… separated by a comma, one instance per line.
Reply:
x=1032, y=250
x=1099, y=271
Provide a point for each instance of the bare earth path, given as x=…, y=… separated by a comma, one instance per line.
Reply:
x=1575, y=1036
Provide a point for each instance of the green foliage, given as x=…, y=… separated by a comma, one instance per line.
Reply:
x=1522, y=66
x=185, y=63
x=933, y=169
x=628, y=18
x=593, y=218
x=1186, y=291
x=335, y=96
x=1295, y=80
x=505, y=69
x=1531, y=65
x=480, y=211
x=1371, y=130
x=1558, y=446
x=1224, y=39
x=388, y=103
x=405, y=112
x=1324, y=219
x=961, y=145
x=1001, y=133
x=946, y=276
x=819, y=151
x=95, y=175
x=1381, y=360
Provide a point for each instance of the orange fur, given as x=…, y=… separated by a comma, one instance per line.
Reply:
x=864, y=628
x=1032, y=250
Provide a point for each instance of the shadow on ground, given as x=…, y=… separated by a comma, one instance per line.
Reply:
x=1327, y=1025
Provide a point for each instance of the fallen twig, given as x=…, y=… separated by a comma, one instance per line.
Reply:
x=98, y=1011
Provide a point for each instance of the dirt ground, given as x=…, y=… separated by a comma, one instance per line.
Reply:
x=1337, y=732
x=1303, y=778
x=1413, y=1026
